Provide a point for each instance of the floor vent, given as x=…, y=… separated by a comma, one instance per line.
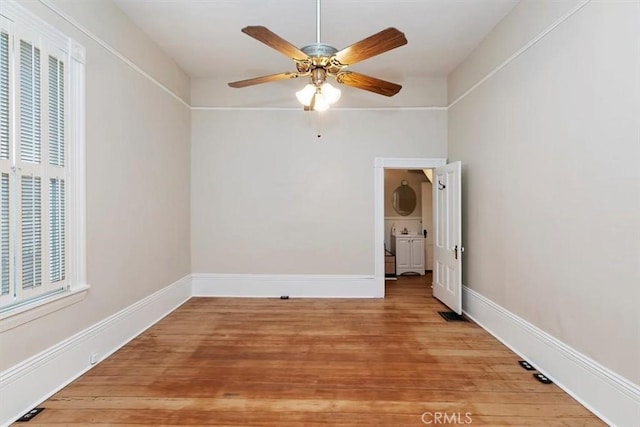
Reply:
x=450, y=316
x=29, y=415
x=542, y=378
x=526, y=365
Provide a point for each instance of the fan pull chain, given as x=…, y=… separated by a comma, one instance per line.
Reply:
x=315, y=124
x=318, y=126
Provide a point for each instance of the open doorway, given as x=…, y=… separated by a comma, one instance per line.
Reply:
x=426, y=190
x=408, y=213
x=381, y=229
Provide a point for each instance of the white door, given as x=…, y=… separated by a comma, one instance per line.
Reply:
x=447, y=274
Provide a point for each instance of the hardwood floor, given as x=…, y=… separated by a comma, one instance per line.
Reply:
x=305, y=362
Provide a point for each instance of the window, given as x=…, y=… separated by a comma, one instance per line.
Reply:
x=41, y=161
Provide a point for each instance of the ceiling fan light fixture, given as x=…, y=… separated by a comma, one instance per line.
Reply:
x=320, y=103
x=305, y=95
x=319, y=98
x=331, y=94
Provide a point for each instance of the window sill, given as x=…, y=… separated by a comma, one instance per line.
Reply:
x=26, y=313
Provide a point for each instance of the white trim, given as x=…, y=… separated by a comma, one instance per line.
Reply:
x=378, y=223
x=27, y=20
x=22, y=314
x=408, y=163
x=77, y=169
x=55, y=9
x=34, y=380
x=520, y=51
x=403, y=218
x=380, y=164
x=611, y=397
x=292, y=285
x=424, y=108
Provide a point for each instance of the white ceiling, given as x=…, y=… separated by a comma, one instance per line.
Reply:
x=204, y=38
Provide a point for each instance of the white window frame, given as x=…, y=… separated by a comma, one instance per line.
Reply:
x=19, y=21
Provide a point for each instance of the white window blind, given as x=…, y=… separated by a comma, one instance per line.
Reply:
x=29, y=102
x=4, y=95
x=56, y=111
x=5, y=168
x=31, y=208
x=57, y=249
x=4, y=234
x=41, y=127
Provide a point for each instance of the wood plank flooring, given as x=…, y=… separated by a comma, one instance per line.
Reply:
x=307, y=362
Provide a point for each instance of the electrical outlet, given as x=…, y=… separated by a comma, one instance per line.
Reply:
x=93, y=359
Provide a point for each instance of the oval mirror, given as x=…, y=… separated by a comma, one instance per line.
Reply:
x=404, y=199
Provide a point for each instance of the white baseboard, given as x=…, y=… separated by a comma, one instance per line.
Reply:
x=609, y=396
x=293, y=285
x=34, y=380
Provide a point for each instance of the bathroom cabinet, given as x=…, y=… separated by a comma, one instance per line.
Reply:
x=409, y=251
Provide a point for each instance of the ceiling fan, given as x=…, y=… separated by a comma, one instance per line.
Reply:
x=319, y=61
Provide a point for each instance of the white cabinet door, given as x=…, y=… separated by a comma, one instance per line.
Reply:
x=403, y=254
x=417, y=254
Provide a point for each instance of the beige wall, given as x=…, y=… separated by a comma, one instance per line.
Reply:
x=522, y=25
x=138, y=191
x=112, y=26
x=269, y=196
x=550, y=146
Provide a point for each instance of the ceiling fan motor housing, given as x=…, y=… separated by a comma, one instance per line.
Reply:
x=319, y=55
x=319, y=49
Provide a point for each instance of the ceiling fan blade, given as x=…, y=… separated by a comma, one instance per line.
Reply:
x=274, y=41
x=369, y=83
x=264, y=79
x=373, y=45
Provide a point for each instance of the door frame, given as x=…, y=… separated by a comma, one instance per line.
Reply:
x=379, y=165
